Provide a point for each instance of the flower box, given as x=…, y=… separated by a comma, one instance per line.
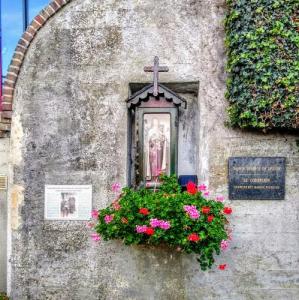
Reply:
x=185, y=221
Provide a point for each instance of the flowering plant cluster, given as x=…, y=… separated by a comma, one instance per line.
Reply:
x=3, y=296
x=187, y=221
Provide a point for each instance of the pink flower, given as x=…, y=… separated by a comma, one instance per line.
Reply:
x=141, y=228
x=160, y=223
x=229, y=233
x=202, y=187
x=206, y=193
x=95, y=237
x=108, y=218
x=164, y=225
x=90, y=224
x=224, y=245
x=192, y=211
x=94, y=214
x=155, y=223
x=116, y=187
x=219, y=198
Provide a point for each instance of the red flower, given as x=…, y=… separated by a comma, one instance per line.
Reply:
x=210, y=218
x=205, y=209
x=150, y=231
x=193, y=237
x=222, y=267
x=191, y=188
x=144, y=211
x=227, y=210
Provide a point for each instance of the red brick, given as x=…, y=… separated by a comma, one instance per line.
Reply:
x=22, y=46
x=61, y=2
x=44, y=13
x=21, y=49
x=49, y=10
x=3, y=119
x=18, y=56
x=9, y=83
x=23, y=43
x=6, y=106
x=14, y=69
x=27, y=37
x=15, y=63
x=54, y=6
x=5, y=126
x=3, y=134
x=6, y=114
x=7, y=91
x=39, y=19
x=11, y=76
x=35, y=25
x=31, y=31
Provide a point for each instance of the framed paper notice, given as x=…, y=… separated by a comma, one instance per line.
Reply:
x=68, y=202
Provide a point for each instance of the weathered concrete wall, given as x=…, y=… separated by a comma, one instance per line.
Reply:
x=69, y=127
x=4, y=151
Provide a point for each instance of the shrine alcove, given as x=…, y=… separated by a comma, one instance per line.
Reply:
x=174, y=114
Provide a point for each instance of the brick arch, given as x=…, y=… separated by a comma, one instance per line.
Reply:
x=17, y=60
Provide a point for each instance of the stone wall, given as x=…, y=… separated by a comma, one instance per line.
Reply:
x=70, y=127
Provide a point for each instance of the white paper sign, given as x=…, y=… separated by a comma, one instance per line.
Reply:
x=68, y=202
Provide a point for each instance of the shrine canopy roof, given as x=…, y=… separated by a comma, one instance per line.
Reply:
x=165, y=96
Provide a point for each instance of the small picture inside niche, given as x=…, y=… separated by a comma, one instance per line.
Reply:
x=156, y=145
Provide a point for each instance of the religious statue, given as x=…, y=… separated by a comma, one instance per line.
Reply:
x=157, y=145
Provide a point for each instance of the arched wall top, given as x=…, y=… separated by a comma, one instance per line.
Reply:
x=17, y=60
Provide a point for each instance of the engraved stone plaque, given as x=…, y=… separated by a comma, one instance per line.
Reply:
x=256, y=178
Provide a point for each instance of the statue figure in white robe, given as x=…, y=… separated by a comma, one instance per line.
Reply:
x=156, y=151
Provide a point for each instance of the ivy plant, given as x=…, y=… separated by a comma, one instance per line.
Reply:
x=262, y=40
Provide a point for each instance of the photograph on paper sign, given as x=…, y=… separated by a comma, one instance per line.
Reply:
x=68, y=205
x=68, y=202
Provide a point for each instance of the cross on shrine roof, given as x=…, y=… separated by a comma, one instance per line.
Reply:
x=156, y=69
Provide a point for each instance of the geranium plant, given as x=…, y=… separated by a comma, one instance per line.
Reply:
x=186, y=221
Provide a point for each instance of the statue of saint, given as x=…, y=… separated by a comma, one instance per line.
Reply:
x=157, y=143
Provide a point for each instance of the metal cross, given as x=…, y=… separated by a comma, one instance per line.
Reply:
x=156, y=69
